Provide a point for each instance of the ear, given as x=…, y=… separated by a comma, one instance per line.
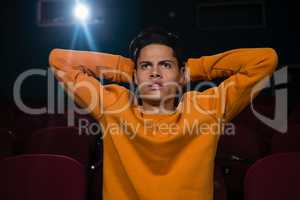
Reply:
x=135, y=77
x=184, y=75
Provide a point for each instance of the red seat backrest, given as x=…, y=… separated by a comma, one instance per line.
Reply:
x=42, y=176
x=274, y=177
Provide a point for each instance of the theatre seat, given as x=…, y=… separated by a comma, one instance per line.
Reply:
x=69, y=141
x=274, y=177
x=24, y=126
x=42, y=177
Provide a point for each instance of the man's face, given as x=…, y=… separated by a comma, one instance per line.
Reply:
x=157, y=73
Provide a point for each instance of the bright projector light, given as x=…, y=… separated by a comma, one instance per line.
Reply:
x=81, y=12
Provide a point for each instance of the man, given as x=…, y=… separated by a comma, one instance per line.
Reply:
x=160, y=149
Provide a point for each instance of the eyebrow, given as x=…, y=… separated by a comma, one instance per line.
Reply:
x=162, y=61
x=167, y=61
x=144, y=62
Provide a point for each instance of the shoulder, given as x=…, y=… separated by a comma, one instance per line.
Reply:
x=204, y=102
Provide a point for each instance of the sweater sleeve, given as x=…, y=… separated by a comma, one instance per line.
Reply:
x=112, y=67
x=242, y=68
x=77, y=71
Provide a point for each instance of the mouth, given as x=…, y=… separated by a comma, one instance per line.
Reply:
x=155, y=86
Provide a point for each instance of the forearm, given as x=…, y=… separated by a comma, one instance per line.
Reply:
x=250, y=62
x=112, y=67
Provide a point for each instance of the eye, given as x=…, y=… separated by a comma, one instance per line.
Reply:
x=166, y=65
x=145, y=66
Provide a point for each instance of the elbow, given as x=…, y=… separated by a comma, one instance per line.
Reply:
x=271, y=59
x=54, y=57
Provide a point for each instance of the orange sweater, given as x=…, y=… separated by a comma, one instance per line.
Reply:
x=162, y=156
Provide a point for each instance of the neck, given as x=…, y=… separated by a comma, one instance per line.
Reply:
x=156, y=107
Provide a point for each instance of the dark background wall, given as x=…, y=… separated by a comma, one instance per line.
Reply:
x=25, y=45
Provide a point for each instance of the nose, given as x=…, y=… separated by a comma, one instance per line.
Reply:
x=155, y=73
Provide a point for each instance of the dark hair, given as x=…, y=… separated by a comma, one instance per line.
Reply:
x=156, y=35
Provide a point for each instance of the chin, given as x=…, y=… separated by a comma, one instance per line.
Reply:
x=153, y=96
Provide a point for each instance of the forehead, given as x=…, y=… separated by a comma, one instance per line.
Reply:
x=156, y=52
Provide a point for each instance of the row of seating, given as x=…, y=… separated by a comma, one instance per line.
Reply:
x=48, y=177
x=243, y=145
x=34, y=135
x=23, y=125
x=48, y=134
